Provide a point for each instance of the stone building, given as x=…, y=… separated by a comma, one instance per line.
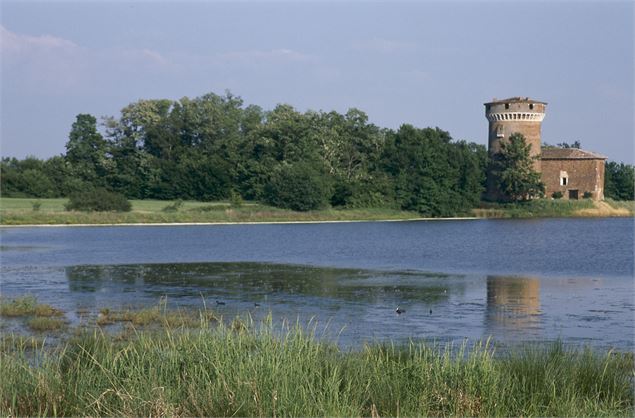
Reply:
x=573, y=172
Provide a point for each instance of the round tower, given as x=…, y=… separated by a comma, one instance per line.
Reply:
x=514, y=115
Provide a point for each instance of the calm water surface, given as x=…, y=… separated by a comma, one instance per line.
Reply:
x=514, y=280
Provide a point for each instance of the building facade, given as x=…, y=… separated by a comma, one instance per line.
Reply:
x=574, y=173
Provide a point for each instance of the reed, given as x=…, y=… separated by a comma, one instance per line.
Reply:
x=266, y=370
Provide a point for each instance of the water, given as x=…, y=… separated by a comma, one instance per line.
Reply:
x=515, y=280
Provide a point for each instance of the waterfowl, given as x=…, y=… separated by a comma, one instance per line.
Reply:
x=218, y=302
x=399, y=310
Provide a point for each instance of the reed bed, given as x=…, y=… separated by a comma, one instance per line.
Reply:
x=225, y=369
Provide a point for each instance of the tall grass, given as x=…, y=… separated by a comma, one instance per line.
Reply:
x=534, y=208
x=264, y=371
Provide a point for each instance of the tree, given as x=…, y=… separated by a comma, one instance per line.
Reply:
x=619, y=181
x=575, y=144
x=86, y=150
x=513, y=170
x=299, y=186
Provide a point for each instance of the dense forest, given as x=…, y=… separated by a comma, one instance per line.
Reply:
x=214, y=147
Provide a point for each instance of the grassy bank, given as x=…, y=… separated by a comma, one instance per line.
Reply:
x=160, y=361
x=548, y=208
x=16, y=211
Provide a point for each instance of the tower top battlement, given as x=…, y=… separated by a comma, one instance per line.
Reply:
x=516, y=99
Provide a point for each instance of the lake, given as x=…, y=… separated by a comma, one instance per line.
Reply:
x=514, y=280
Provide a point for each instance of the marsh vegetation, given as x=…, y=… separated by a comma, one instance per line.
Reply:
x=205, y=366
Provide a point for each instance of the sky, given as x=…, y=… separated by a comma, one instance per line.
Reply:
x=425, y=63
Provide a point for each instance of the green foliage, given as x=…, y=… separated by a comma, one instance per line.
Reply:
x=513, y=170
x=432, y=175
x=98, y=200
x=26, y=178
x=36, y=206
x=619, y=181
x=86, y=151
x=575, y=144
x=587, y=195
x=299, y=186
x=557, y=195
x=206, y=147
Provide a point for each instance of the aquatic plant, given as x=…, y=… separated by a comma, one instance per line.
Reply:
x=26, y=306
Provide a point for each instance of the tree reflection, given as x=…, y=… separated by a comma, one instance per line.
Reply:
x=255, y=281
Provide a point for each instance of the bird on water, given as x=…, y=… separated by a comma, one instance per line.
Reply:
x=218, y=302
x=399, y=310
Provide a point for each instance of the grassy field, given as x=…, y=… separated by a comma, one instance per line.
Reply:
x=18, y=211
x=204, y=366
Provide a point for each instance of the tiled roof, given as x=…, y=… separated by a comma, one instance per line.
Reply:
x=553, y=153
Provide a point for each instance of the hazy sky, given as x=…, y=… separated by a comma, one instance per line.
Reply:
x=424, y=63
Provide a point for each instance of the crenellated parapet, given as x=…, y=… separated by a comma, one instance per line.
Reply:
x=517, y=116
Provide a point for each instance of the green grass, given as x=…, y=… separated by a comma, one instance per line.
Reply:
x=157, y=315
x=26, y=306
x=261, y=371
x=41, y=324
x=17, y=211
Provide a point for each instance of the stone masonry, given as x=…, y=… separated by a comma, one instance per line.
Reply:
x=570, y=171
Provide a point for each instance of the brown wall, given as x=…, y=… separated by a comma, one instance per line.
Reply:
x=583, y=175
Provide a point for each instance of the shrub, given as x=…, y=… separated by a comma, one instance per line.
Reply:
x=235, y=199
x=556, y=195
x=36, y=206
x=98, y=200
x=587, y=195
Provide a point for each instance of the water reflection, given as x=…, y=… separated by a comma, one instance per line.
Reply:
x=258, y=281
x=360, y=302
x=513, y=305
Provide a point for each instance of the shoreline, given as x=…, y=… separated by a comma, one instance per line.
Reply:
x=149, y=224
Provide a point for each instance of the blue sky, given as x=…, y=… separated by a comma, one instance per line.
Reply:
x=424, y=63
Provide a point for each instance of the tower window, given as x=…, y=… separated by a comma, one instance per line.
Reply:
x=499, y=132
x=531, y=106
x=506, y=105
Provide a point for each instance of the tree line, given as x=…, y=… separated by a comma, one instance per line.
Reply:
x=215, y=147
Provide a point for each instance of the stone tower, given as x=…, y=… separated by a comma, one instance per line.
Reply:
x=516, y=114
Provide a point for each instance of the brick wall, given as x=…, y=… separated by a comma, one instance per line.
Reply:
x=582, y=175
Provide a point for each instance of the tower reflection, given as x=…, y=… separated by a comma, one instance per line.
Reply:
x=513, y=304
